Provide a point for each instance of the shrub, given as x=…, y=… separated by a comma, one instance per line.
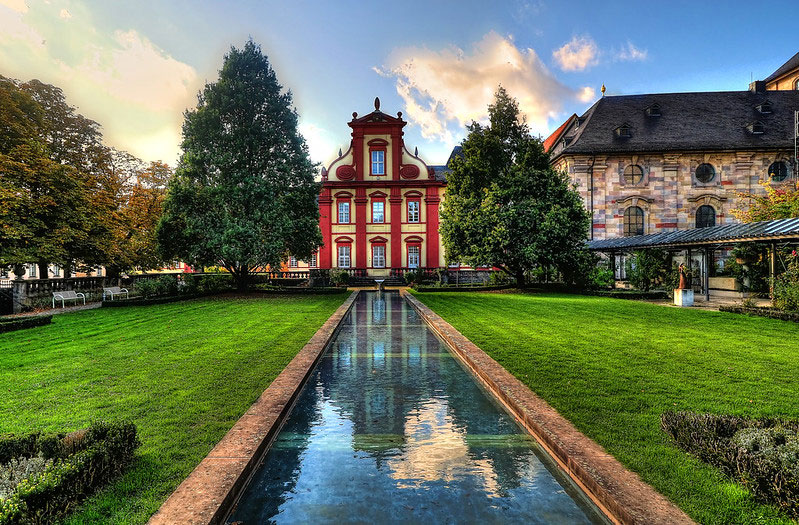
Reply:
x=414, y=276
x=11, y=324
x=498, y=279
x=81, y=466
x=154, y=286
x=762, y=454
x=647, y=268
x=339, y=277
x=786, y=286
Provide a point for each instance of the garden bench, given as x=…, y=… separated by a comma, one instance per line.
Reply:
x=114, y=290
x=67, y=295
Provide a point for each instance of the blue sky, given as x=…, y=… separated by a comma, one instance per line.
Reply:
x=136, y=66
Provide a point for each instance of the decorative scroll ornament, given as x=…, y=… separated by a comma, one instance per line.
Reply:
x=345, y=172
x=409, y=171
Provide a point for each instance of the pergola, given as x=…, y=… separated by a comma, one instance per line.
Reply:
x=780, y=231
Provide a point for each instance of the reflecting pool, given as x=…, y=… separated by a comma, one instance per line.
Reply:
x=391, y=429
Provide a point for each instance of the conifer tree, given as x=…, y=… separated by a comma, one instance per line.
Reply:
x=244, y=194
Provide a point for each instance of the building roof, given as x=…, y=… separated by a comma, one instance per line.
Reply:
x=687, y=121
x=787, y=67
x=780, y=229
x=442, y=170
x=553, y=138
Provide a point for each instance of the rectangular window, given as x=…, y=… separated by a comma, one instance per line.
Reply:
x=378, y=162
x=292, y=262
x=414, y=258
x=343, y=212
x=379, y=256
x=56, y=271
x=32, y=270
x=99, y=271
x=413, y=211
x=313, y=261
x=344, y=256
x=3, y=273
x=378, y=211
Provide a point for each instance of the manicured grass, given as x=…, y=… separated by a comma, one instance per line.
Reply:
x=183, y=372
x=612, y=367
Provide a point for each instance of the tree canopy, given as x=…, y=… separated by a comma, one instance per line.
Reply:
x=506, y=206
x=775, y=203
x=65, y=197
x=244, y=194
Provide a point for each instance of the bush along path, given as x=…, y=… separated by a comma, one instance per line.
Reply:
x=44, y=477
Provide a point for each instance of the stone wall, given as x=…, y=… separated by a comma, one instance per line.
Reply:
x=669, y=193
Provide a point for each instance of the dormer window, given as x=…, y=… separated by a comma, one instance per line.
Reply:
x=756, y=128
x=653, y=111
x=765, y=108
x=624, y=131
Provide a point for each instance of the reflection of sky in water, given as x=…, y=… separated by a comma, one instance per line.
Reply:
x=391, y=429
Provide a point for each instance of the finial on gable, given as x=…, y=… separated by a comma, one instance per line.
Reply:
x=339, y=152
x=377, y=103
x=416, y=151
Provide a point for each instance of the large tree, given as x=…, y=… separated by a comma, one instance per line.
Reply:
x=506, y=206
x=244, y=194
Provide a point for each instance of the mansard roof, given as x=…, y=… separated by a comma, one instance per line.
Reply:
x=686, y=121
x=787, y=67
x=442, y=170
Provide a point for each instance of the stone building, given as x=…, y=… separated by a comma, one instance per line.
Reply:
x=651, y=163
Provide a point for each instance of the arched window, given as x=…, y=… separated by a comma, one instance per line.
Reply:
x=796, y=84
x=633, y=174
x=705, y=216
x=633, y=221
x=778, y=171
x=705, y=173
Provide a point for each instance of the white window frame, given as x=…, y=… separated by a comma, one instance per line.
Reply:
x=314, y=261
x=344, y=256
x=381, y=214
x=292, y=262
x=378, y=162
x=414, y=215
x=32, y=270
x=379, y=256
x=417, y=256
x=344, y=211
x=56, y=271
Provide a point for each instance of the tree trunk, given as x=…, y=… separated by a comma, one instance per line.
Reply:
x=520, y=280
x=242, y=279
x=44, y=269
x=67, y=269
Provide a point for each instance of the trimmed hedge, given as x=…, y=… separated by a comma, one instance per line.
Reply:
x=631, y=294
x=83, y=462
x=10, y=324
x=463, y=288
x=761, y=454
x=761, y=312
x=141, y=301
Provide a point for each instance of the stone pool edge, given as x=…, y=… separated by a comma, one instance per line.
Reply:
x=207, y=495
x=619, y=493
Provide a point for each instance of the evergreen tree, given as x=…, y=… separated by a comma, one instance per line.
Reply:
x=507, y=207
x=244, y=194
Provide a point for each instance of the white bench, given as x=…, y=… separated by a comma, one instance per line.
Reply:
x=114, y=290
x=68, y=295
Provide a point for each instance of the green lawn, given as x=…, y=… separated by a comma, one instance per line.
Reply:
x=613, y=367
x=183, y=372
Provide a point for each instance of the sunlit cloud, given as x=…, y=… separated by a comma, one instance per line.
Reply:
x=15, y=5
x=630, y=53
x=578, y=54
x=453, y=86
x=133, y=88
x=321, y=144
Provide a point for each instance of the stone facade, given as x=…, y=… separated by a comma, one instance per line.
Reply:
x=669, y=193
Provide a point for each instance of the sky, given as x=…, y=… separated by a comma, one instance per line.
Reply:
x=136, y=66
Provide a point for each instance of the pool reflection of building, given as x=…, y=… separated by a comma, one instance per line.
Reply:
x=391, y=428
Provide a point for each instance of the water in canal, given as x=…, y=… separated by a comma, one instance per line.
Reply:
x=391, y=429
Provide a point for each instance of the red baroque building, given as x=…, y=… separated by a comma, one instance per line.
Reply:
x=379, y=203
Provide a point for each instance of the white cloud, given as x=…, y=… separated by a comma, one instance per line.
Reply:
x=15, y=5
x=133, y=88
x=630, y=53
x=451, y=85
x=577, y=54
